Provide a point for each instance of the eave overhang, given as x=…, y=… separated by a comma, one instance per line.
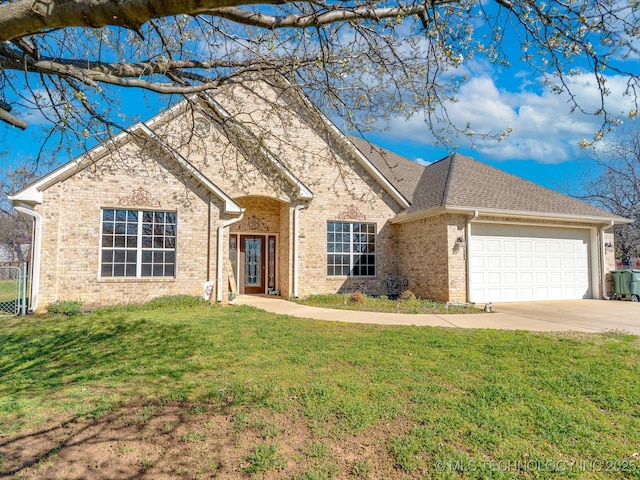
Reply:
x=477, y=213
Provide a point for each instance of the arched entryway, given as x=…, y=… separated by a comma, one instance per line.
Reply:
x=258, y=246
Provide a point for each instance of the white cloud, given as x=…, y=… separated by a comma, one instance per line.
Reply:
x=422, y=161
x=544, y=129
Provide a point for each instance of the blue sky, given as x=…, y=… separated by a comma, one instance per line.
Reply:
x=543, y=146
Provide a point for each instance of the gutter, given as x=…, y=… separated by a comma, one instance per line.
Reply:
x=296, y=247
x=432, y=212
x=603, y=262
x=35, y=252
x=467, y=253
x=224, y=224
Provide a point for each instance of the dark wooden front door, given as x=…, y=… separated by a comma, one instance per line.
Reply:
x=252, y=264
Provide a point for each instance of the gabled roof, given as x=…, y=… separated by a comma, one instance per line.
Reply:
x=461, y=184
x=32, y=194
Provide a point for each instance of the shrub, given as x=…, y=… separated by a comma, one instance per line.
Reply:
x=357, y=297
x=65, y=307
x=407, y=295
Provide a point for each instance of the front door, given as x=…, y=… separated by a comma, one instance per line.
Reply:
x=252, y=264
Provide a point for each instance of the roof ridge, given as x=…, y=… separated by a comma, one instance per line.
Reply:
x=447, y=184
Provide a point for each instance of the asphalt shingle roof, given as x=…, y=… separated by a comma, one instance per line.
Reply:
x=458, y=181
x=401, y=172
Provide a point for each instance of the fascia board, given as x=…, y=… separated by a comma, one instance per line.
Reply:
x=432, y=212
x=369, y=167
x=372, y=170
x=230, y=206
x=304, y=193
x=32, y=194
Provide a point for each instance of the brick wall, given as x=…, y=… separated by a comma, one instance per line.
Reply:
x=343, y=191
x=424, y=245
x=72, y=213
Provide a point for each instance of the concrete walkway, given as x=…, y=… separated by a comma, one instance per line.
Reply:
x=592, y=316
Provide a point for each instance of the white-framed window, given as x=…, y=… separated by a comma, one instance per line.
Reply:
x=138, y=243
x=351, y=249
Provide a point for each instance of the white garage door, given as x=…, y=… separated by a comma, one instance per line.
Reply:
x=518, y=263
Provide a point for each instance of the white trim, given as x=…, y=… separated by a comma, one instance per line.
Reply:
x=35, y=252
x=296, y=248
x=467, y=247
x=432, y=212
x=594, y=263
x=303, y=192
x=603, y=259
x=351, y=253
x=138, y=249
x=219, y=261
x=362, y=159
x=230, y=206
x=593, y=277
x=373, y=171
x=33, y=193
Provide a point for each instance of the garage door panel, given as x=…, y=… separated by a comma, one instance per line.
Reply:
x=526, y=278
x=526, y=262
x=525, y=246
x=510, y=262
x=555, y=262
x=493, y=262
x=540, y=278
x=511, y=294
x=516, y=263
x=555, y=277
x=493, y=246
x=554, y=247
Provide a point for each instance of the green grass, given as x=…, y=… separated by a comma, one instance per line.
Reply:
x=433, y=397
x=384, y=304
x=8, y=290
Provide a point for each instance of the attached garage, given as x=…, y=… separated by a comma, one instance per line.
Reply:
x=513, y=263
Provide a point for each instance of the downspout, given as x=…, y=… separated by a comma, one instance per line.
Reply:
x=603, y=263
x=296, y=247
x=219, y=261
x=35, y=253
x=466, y=252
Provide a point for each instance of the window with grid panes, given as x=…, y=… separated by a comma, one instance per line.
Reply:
x=138, y=243
x=351, y=249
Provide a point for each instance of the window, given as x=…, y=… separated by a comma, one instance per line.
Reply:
x=351, y=249
x=138, y=243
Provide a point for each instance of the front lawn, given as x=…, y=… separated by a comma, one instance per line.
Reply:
x=179, y=389
x=366, y=303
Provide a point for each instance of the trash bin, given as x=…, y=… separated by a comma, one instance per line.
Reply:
x=621, y=283
x=634, y=285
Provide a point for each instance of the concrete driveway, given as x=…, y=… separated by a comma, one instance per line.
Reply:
x=591, y=316
x=585, y=315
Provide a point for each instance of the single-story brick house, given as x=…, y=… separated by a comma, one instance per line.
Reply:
x=252, y=189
